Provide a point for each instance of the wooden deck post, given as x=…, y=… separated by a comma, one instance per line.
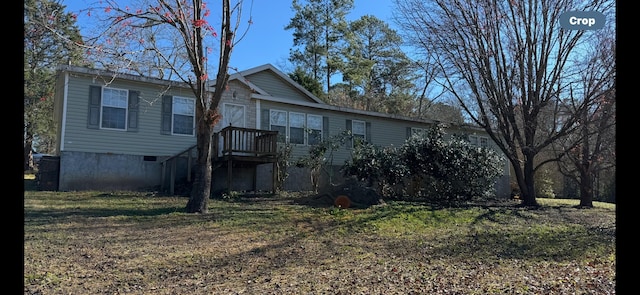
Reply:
x=229, y=173
x=163, y=174
x=189, y=159
x=274, y=177
x=255, y=177
x=172, y=184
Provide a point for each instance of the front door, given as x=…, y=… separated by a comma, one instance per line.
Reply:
x=233, y=115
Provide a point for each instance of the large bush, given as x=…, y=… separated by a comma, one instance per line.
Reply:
x=428, y=166
x=376, y=166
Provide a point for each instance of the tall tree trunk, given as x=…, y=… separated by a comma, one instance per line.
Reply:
x=207, y=114
x=201, y=190
x=586, y=188
x=586, y=194
x=586, y=181
x=528, y=192
x=28, y=155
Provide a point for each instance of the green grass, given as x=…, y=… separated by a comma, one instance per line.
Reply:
x=572, y=202
x=139, y=243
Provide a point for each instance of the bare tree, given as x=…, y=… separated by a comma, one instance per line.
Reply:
x=50, y=38
x=505, y=62
x=427, y=98
x=172, y=35
x=590, y=150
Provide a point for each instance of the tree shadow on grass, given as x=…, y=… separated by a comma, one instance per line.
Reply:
x=99, y=205
x=519, y=233
x=92, y=213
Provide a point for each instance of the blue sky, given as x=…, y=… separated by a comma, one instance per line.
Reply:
x=266, y=41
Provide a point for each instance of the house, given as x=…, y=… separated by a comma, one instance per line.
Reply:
x=127, y=132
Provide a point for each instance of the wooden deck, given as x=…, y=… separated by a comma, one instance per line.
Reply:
x=244, y=144
x=230, y=145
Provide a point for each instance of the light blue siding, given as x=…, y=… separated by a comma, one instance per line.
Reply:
x=383, y=131
x=277, y=87
x=145, y=140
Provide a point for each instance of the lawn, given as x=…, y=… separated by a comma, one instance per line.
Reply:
x=143, y=243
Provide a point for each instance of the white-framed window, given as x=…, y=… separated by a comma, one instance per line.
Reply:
x=418, y=132
x=473, y=140
x=314, y=129
x=183, y=117
x=296, y=128
x=482, y=141
x=358, y=130
x=278, y=122
x=114, y=108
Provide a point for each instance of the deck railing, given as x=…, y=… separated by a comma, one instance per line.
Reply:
x=230, y=142
x=237, y=141
x=171, y=163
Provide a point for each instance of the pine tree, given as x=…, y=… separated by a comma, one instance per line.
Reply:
x=51, y=37
x=318, y=28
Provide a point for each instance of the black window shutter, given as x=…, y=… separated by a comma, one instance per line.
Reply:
x=349, y=142
x=134, y=98
x=367, y=132
x=167, y=108
x=408, y=132
x=95, y=97
x=325, y=127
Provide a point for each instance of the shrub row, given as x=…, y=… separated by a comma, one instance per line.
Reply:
x=427, y=166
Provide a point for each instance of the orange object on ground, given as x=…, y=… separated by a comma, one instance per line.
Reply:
x=342, y=201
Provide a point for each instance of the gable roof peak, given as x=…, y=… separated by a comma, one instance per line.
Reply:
x=239, y=75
